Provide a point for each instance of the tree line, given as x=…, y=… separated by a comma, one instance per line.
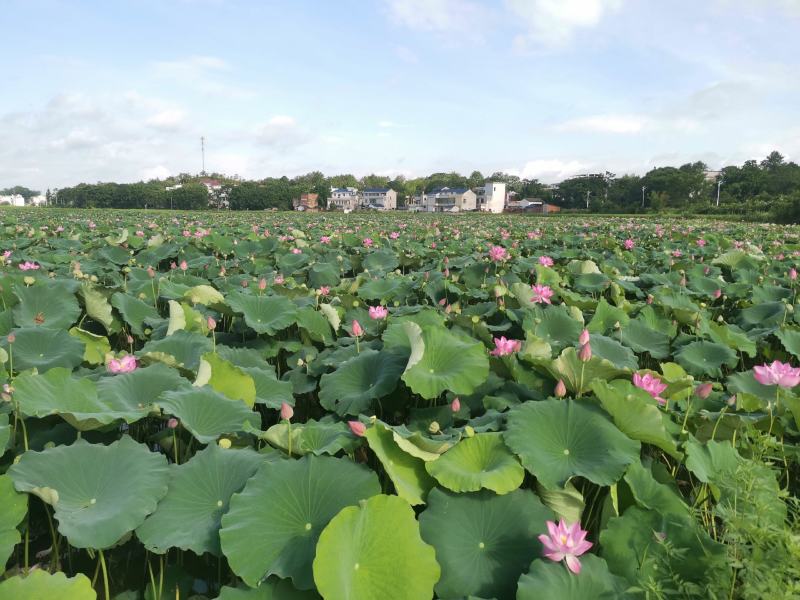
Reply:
x=766, y=188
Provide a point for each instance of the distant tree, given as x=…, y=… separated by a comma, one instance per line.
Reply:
x=476, y=179
x=26, y=193
x=373, y=181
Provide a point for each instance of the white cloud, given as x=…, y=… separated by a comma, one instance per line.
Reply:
x=167, y=119
x=281, y=131
x=553, y=22
x=437, y=15
x=387, y=124
x=406, y=54
x=627, y=124
x=204, y=74
x=550, y=170
x=158, y=172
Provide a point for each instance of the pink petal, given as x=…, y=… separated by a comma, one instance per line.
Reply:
x=573, y=564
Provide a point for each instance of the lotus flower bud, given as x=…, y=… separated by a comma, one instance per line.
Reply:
x=455, y=405
x=585, y=353
x=561, y=389
x=703, y=390
x=357, y=330
x=584, y=337
x=172, y=423
x=434, y=427
x=212, y=323
x=469, y=431
x=11, y=338
x=357, y=427
x=287, y=412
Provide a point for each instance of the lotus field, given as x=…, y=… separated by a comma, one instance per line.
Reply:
x=371, y=407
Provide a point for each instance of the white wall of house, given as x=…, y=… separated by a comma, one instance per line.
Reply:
x=494, y=197
x=384, y=199
x=13, y=200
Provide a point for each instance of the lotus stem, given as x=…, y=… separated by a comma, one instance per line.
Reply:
x=103, y=568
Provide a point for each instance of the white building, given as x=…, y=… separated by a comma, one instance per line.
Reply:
x=491, y=197
x=379, y=198
x=344, y=198
x=445, y=200
x=13, y=200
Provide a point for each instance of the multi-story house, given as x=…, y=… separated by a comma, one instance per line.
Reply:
x=306, y=202
x=445, y=200
x=344, y=198
x=491, y=197
x=379, y=198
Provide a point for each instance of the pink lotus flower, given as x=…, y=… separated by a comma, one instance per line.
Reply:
x=394, y=235
x=629, y=244
x=357, y=329
x=703, y=390
x=585, y=353
x=126, y=364
x=212, y=323
x=652, y=385
x=455, y=405
x=287, y=412
x=777, y=373
x=541, y=294
x=262, y=284
x=279, y=280
x=701, y=242
x=184, y=265
x=565, y=542
x=172, y=423
x=498, y=253
x=584, y=337
x=546, y=261
x=324, y=290
x=677, y=253
x=561, y=389
x=28, y=266
x=325, y=239
x=357, y=427
x=504, y=347
x=296, y=251
x=793, y=274
x=377, y=313
x=367, y=242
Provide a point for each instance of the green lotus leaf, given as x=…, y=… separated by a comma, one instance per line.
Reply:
x=303, y=496
x=411, y=481
x=271, y=589
x=41, y=585
x=207, y=414
x=269, y=390
x=566, y=503
x=767, y=314
x=177, y=318
x=441, y=360
x=706, y=358
x=635, y=413
x=553, y=581
x=330, y=313
x=96, y=346
x=482, y=461
x=356, y=383
x=315, y=324
x=381, y=261
x=418, y=445
x=638, y=336
x=606, y=318
x=51, y=306
x=483, y=542
x=591, y=282
x=557, y=328
x=264, y=314
x=98, y=307
x=134, y=311
x=15, y=507
x=189, y=516
x=731, y=336
x=632, y=547
x=226, y=378
x=182, y=349
x=649, y=493
x=321, y=274
x=347, y=566
x=790, y=338
x=611, y=350
x=577, y=375
x=204, y=294
x=43, y=349
x=5, y=433
x=99, y=493
x=557, y=440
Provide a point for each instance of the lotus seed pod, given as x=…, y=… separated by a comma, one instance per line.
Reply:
x=469, y=431
x=224, y=443
x=434, y=427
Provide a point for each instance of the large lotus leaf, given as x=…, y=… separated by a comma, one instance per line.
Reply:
x=642, y=338
x=5, y=433
x=381, y=261
x=790, y=338
x=411, y=481
x=182, y=349
x=557, y=328
x=264, y=314
x=226, y=378
x=189, y=516
x=323, y=437
x=269, y=389
x=272, y=589
x=559, y=439
x=42, y=349
x=731, y=336
x=273, y=525
x=96, y=347
x=98, y=307
x=578, y=375
x=611, y=350
x=554, y=582
x=207, y=414
x=388, y=289
x=441, y=360
x=349, y=566
x=606, y=318
x=768, y=314
x=99, y=493
x=49, y=306
x=566, y=503
x=321, y=274
x=355, y=384
x=139, y=389
x=315, y=324
x=15, y=506
x=204, y=294
x=649, y=493
x=635, y=413
x=41, y=585
x=706, y=358
x=134, y=311
x=483, y=542
x=482, y=461
x=630, y=545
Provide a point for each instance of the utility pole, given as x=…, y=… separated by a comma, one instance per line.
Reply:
x=587, y=199
x=644, y=187
x=203, y=153
x=719, y=185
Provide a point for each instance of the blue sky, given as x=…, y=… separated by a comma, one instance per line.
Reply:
x=123, y=90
